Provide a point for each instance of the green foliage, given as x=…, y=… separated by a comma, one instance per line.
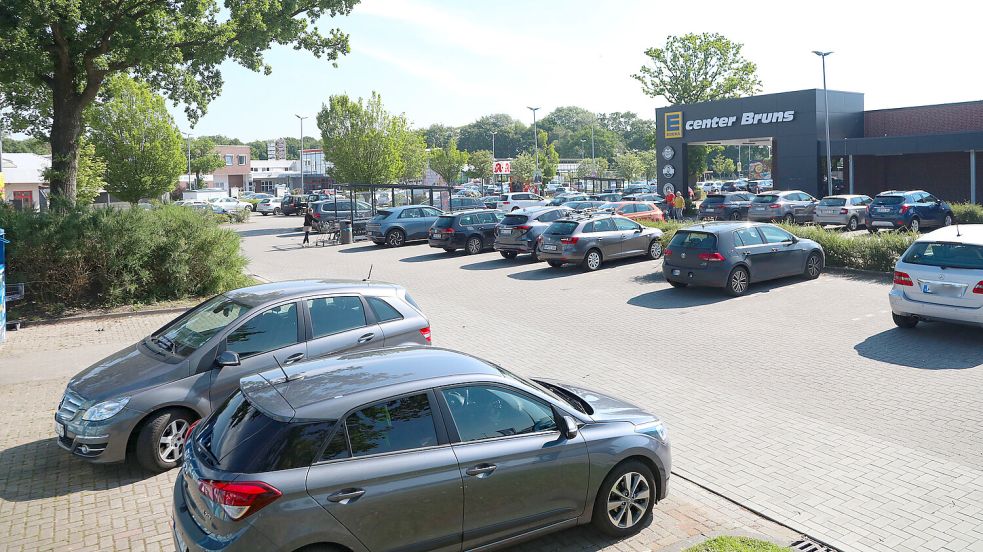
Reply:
x=91, y=174
x=204, y=158
x=448, y=161
x=967, y=213
x=650, y=164
x=589, y=167
x=635, y=132
x=481, y=163
x=511, y=136
x=723, y=165
x=414, y=156
x=362, y=140
x=28, y=145
x=698, y=68
x=438, y=136
x=88, y=257
x=629, y=166
x=549, y=158
x=736, y=544
x=523, y=167
x=134, y=133
x=697, y=158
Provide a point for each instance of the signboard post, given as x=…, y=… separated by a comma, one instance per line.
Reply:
x=503, y=168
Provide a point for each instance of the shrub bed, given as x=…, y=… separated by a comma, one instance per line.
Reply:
x=87, y=257
x=968, y=213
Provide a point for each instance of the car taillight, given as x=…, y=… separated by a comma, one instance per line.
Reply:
x=425, y=332
x=523, y=228
x=715, y=257
x=904, y=208
x=505, y=203
x=569, y=241
x=774, y=206
x=667, y=253
x=191, y=428
x=316, y=215
x=902, y=279
x=844, y=212
x=979, y=288
x=239, y=498
x=448, y=230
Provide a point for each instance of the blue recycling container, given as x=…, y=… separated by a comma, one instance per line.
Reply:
x=3, y=287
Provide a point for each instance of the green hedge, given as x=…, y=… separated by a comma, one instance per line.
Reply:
x=90, y=257
x=876, y=252
x=968, y=213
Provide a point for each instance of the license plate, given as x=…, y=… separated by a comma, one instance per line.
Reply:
x=59, y=429
x=711, y=209
x=883, y=223
x=548, y=247
x=942, y=289
x=675, y=272
x=827, y=212
x=883, y=209
x=181, y=547
x=759, y=208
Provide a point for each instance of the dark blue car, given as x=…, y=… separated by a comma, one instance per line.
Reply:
x=912, y=210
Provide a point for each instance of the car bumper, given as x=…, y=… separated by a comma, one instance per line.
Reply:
x=444, y=243
x=905, y=306
x=189, y=537
x=710, y=277
x=886, y=223
x=519, y=246
x=99, y=442
x=763, y=216
x=563, y=255
x=831, y=219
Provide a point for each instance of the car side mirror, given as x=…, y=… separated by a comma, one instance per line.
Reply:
x=569, y=427
x=227, y=358
x=638, y=230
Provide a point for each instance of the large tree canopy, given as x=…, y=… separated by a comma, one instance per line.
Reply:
x=57, y=54
x=362, y=140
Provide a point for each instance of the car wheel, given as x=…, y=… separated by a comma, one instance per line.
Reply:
x=655, y=249
x=737, y=282
x=852, y=224
x=264, y=213
x=160, y=443
x=473, y=247
x=947, y=221
x=789, y=218
x=676, y=284
x=395, y=238
x=736, y=215
x=915, y=225
x=554, y=264
x=277, y=211
x=535, y=256
x=515, y=208
x=252, y=208
x=592, y=260
x=509, y=254
x=625, y=500
x=871, y=229
x=814, y=265
x=449, y=250
x=903, y=321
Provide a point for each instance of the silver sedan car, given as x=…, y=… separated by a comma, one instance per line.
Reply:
x=592, y=238
x=844, y=210
x=785, y=206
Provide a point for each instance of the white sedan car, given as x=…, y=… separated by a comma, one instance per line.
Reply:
x=940, y=278
x=519, y=200
x=229, y=204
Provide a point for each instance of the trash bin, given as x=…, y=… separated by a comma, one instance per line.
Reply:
x=3, y=288
x=346, y=232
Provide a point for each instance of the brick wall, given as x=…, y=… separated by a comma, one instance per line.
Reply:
x=928, y=119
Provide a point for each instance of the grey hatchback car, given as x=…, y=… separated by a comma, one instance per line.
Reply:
x=520, y=230
x=786, y=206
x=734, y=255
x=592, y=238
x=413, y=448
x=147, y=395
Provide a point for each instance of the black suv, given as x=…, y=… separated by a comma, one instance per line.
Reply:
x=473, y=231
x=293, y=204
x=729, y=206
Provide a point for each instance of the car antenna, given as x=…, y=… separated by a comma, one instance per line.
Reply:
x=958, y=235
x=369, y=277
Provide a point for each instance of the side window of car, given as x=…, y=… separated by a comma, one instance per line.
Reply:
x=775, y=235
x=430, y=212
x=929, y=198
x=748, y=236
x=273, y=329
x=604, y=225
x=536, y=197
x=549, y=216
x=399, y=424
x=625, y=224
x=331, y=315
x=337, y=447
x=487, y=412
x=588, y=228
x=487, y=218
x=410, y=213
x=383, y=311
x=467, y=220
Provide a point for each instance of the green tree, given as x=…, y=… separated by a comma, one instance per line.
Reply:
x=636, y=133
x=91, y=173
x=549, y=159
x=448, y=161
x=723, y=165
x=511, y=135
x=58, y=54
x=134, y=133
x=204, y=158
x=414, y=155
x=592, y=167
x=629, y=165
x=607, y=144
x=28, y=145
x=698, y=68
x=650, y=164
x=523, y=167
x=362, y=140
x=257, y=150
x=698, y=158
x=564, y=122
x=482, y=165
x=438, y=136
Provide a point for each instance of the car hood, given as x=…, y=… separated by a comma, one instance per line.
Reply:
x=606, y=407
x=123, y=372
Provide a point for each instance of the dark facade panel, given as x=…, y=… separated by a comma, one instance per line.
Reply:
x=945, y=175
x=928, y=119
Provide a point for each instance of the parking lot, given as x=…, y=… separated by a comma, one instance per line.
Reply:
x=800, y=400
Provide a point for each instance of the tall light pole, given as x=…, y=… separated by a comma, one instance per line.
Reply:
x=301, y=152
x=535, y=137
x=188, y=135
x=593, y=159
x=493, y=133
x=583, y=148
x=829, y=158
x=494, y=179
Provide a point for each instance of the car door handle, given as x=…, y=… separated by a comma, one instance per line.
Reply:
x=366, y=338
x=481, y=469
x=774, y=250
x=294, y=358
x=345, y=496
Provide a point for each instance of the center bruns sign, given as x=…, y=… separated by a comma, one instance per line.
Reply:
x=749, y=118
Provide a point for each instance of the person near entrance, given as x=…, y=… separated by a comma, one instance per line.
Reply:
x=671, y=211
x=679, y=204
x=308, y=222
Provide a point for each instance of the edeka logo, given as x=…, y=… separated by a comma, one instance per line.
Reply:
x=674, y=124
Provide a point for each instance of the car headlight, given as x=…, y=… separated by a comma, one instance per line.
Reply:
x=105, y=409
x=655, y=429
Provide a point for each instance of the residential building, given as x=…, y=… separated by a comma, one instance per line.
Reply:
x=235, y=173
x=24, y=185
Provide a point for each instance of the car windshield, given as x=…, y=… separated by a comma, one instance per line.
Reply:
x=444, y=222
x=562, y=228
x=945, y=255
x=765, y=198
x=713, y=199
x=889, y=200
x=610, y=205
x=832, y=202
x=183, y=336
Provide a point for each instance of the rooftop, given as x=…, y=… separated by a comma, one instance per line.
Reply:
x=255, y=295
x=24, y=168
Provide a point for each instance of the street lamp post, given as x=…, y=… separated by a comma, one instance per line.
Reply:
x=188, y=134
x=494, y=180
x=593, y=159
x=301, y=152
x=829, y=158
x=535, y=136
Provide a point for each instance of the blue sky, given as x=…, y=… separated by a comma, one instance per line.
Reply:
x=451, y=62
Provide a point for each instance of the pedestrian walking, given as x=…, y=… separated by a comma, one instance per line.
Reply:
x=308, y=222
x=679, y=203
x=671, y=206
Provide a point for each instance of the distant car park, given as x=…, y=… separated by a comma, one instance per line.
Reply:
x=786, y=206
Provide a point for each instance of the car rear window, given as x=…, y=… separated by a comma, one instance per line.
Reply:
x=444, y=222
x=514, y=220
x=381, y=215
x=948, y=255
x=713, y=199
x=765, y=199
x=888, y=200
x=243, y=439
x=832, y=202
x=694, y=240
x=562, y=228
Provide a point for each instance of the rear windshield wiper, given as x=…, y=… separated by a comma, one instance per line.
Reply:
x=210, y=458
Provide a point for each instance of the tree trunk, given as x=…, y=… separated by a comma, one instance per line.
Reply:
x=66, y=128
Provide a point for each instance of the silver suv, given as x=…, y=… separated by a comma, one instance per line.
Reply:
x=148, y=394
x=786, y=206
x=520, y=230
x=592, y=238
x=413, y=449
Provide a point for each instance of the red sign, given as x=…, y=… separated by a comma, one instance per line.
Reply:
x=503, y=167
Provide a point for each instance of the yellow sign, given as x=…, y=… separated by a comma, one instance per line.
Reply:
x=2, y=196
x=674, y=124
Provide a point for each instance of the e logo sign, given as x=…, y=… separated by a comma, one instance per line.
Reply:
x=674, y=124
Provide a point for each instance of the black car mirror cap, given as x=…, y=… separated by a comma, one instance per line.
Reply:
x=570, y=427
x=638, y=230
x=227, y=358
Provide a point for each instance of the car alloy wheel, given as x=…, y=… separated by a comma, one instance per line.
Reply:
x=170, y=447
x=947, y=221
x=735, y=216
x=814, y=266
x=852, y=224
x=737, y=283
x=593, y=260
x=474, y=246
x=655, y=249
x=628, y=500
x=915, y=225
x=789, y=219
x=277, y=211
x=395, y=238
